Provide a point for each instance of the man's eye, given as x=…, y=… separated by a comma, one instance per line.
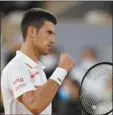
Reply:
x=49, y=32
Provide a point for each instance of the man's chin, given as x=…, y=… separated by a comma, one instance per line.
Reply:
x=45, y=53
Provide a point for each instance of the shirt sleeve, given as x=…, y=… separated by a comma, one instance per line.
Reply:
x=20, y=81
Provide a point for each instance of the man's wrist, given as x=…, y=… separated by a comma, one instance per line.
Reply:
x=59, y=75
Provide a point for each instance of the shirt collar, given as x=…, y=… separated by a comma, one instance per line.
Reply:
x=28, y=61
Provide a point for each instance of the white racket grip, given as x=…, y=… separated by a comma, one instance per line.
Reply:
x=59, y=75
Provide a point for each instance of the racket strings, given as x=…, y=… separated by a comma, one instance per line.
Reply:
x=94, y=93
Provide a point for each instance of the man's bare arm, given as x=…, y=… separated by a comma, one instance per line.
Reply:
x=37, y=101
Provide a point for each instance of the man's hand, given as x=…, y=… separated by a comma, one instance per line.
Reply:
x=66, y=62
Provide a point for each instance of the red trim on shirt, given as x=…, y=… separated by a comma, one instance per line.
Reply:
x=28, y=65
x=36, y=86
x=34, y=74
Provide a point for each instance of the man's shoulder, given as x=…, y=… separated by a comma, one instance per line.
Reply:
x=12, y=65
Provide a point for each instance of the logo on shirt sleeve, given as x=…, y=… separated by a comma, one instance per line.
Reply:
x=18, y=80
x=18, y=83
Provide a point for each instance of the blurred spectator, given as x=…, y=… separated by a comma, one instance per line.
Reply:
x=88, y=59
x=68, y=103
x=98, y=16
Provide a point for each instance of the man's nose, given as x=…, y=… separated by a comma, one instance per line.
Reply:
x=53, y=40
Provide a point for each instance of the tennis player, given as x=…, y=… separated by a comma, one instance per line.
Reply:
x=24, y=86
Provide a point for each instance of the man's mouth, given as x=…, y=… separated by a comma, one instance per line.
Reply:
x=49, y=47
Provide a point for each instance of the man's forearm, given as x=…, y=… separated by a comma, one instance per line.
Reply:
x=45, y=94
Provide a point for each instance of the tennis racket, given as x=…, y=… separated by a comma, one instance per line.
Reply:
x=96, y=90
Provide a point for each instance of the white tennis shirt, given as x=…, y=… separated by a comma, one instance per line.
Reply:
x=21, y=75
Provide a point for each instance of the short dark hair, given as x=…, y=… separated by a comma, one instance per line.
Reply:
x=36, y=17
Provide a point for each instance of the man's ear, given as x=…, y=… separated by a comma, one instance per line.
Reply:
x=31, y=32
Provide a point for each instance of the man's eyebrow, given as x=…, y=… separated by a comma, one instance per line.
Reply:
x=51, y=32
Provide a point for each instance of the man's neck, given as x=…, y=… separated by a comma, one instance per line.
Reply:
x=28, y=50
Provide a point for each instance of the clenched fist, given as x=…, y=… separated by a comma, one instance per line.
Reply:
x=66, y=62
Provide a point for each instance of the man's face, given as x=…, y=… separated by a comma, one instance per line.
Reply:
x=44, y=38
